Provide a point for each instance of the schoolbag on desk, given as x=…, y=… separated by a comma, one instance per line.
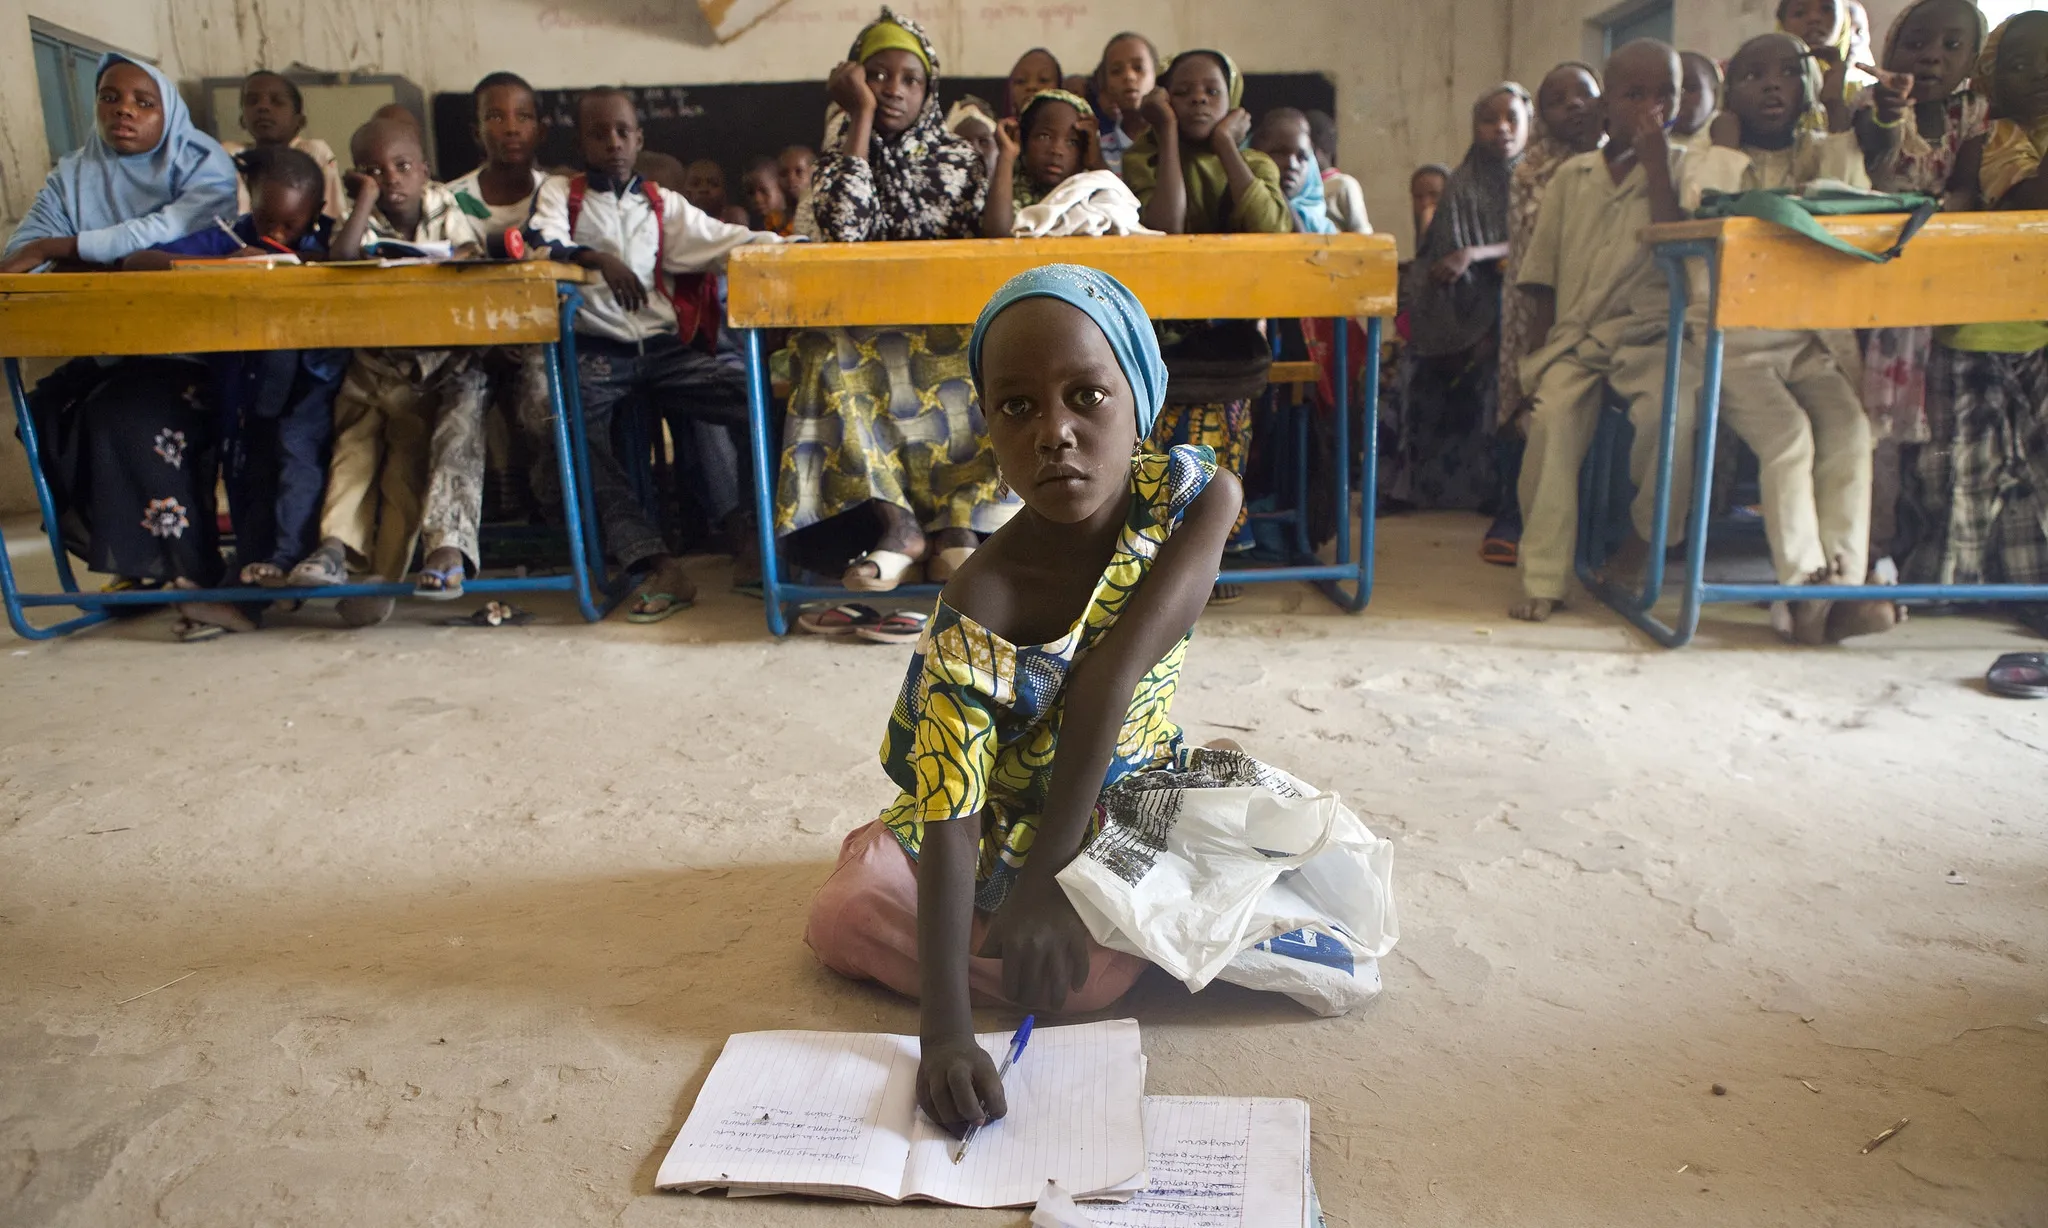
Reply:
x=694, y=295
x=1796, y=210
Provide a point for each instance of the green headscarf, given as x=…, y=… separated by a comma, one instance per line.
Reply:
x=887, y=34
x=1233, y=80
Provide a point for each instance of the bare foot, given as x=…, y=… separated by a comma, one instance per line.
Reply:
x=1534, y=609
x=212, y=613
x=365, y=611
x=266, y=575
x=1853, y=618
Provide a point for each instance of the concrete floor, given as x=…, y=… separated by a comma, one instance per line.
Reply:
x=418, y=925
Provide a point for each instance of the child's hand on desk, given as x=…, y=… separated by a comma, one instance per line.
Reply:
x=620, y=280
x=848, y=86
x=957, y=1085
x=1042, y=943
x=40, y=252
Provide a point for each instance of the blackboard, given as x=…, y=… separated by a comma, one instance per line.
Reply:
x=733, y=124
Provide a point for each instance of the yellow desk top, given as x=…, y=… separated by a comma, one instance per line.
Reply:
x=1962, y=268
x=196, y=310
x=815, y=285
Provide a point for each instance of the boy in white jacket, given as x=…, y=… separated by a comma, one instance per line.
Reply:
x=649, y=330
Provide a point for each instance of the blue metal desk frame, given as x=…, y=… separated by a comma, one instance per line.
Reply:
x=1696, y=591
x=1353, y=568
x=586, y=580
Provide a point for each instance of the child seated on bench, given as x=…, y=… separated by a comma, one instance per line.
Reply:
x=408, y=424
x=276, y=406
x=633, y=339
x=1050, y=178
x=1601, y=310
x=1792, y=395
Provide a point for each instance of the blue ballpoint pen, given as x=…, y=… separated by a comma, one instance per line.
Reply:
x=1017, y=1043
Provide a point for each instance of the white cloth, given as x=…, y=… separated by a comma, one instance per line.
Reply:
x=684, y=239
x=1089, y=204
x=502, y=217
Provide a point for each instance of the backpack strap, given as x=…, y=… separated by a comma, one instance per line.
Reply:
x=1789, y=213
x=579, y=186
x=693, y=295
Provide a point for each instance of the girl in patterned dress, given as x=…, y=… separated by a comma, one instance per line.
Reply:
x=1045, y=675
x=883, y=421
x=129, y=445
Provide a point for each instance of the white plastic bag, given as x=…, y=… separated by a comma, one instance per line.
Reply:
x=1235, y=869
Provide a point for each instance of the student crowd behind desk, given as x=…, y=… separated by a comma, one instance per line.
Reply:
x=1531, y=306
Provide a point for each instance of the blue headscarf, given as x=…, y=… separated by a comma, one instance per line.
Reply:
x=117, y=204
x=1115, y=310
x=1311, y=215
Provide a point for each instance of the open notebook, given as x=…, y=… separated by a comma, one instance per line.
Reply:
x=835, y=1114
x=1220, y=1163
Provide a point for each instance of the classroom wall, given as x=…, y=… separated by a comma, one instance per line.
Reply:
x=1545, y=32
x=1404, y=71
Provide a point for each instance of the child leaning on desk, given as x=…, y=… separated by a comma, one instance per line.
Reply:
x=1793, y=396
x=1987, y=384
x=408, y=424
x=276, y=406
x=1045, y=675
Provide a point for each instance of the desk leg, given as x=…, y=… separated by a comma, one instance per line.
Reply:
x=10, y=589
x=765, y=466
x=576, y=466
x=574, y=509
x=1368, y=482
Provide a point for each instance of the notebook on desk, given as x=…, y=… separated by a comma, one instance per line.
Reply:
x=835, y=1114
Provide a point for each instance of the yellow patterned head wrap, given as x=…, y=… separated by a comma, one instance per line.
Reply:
x=887, y=35
x=2012, y=151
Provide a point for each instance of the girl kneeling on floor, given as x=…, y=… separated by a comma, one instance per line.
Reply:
x=1045, y=676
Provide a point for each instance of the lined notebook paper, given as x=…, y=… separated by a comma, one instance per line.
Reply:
x=1220, y=1163
x=835, y=1114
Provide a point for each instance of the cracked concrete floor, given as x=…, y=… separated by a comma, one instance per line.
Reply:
x=449, y=924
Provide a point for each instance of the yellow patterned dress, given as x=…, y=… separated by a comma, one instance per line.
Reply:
x=977, y=724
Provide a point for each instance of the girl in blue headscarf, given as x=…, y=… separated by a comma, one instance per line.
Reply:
x=1043, y=679
x=128, y=445
x=145, y=176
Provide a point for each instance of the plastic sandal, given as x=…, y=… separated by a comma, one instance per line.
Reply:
x=890, y=565
x=839, y=619
x=320, y=568
x=674, y=606
x=1500, y=551
x=1226, y=594
x=946, y=562
x=902, y=627
x=2019, y=675
x=451, y=583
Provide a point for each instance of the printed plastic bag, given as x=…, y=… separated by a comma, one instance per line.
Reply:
x=1232, y=868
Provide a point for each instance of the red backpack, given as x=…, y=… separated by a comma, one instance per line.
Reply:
x=694, y=295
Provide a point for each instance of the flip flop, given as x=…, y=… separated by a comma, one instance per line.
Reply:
x=492, y=614
x=2019, y=675
x=902, y=627
x=451, y=579
x=1226, y=594
x=844, y=619
x=671, y=606
x=1500, y=551
x=891, y=566
x=946, y=562
x=192, y=631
